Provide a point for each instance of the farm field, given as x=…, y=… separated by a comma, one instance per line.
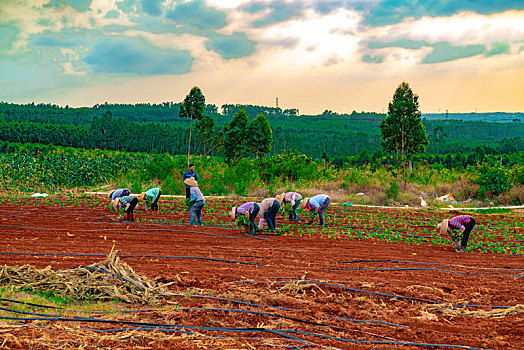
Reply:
x=371, y=279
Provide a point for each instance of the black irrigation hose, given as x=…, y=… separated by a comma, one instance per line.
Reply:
x=138, y=230
x=371, y=292
x=138, y=256
x=428, y=263
x=216, y=309
x=419, y=269
x=281, y=332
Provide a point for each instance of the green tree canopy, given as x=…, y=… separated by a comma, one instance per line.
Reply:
x=193, y=108
x=402, y=130
x=259, y=136
x=235, y=137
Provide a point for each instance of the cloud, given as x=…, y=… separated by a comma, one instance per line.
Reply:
x=152, y=7
x=121, y=55
x=403, y=43
x=499, y=48
x=7, y=36
x=196, y=14
x=235, y=46
x=79, y=5
x=372, y=59
x=445, y=52
x=275, y=11
x=395, y=11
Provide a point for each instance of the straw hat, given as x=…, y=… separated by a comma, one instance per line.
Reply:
x=303, y=203
x=233, y=213
x=190, y=181
x=443, y=226
x=110, y=194
x=114, y=204
x=141, y=196
x=280, y=197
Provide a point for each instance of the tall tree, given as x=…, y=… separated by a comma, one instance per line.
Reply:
x=193, y=108
x=235, y=135
x=259, y=136
x=402, y=130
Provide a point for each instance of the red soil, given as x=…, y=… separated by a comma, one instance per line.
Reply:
x=57, y=230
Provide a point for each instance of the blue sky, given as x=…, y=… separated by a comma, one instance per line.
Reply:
x=342, y=55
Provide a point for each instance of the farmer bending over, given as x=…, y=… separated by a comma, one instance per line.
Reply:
x=292, y=198
x=151, y=198
x=197, y=198
x=319, y=203
x=127, y=205
x=250, y=208
x=268, y=212
x=456, y=227
x=117, y=194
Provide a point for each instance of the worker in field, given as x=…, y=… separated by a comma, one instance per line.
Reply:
x=292, y=198
x=115, y=195
x=458, y=228
x=196, y=200
x=189, y=173
x=319, y=204
x=126, y=207
x=151, y=197
x=119, y=193
x=250, y=210
x=268, y=212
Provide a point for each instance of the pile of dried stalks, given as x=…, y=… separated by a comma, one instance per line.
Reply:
x=447, y=309
x=98, y=281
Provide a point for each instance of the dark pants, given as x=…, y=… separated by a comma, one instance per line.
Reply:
x=465, y=236
x=271, y=215
x=196, y=211
x=132, y=205
x=154, y=204
x=322, y=209
x=188, y=194
x=252, y=217
x=293, y=215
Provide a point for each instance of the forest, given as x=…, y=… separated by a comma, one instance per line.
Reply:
x=454, y=140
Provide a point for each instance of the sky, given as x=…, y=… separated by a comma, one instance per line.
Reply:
x=338, y=55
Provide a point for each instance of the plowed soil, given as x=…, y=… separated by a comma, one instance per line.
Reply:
x=334, y=289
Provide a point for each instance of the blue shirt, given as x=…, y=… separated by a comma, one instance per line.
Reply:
x=317, y=200
x=189, y=174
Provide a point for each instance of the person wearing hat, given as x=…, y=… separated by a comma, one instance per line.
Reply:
x=292, y=198
x=319, y=203
x=197, y=198
x=151, y=198
x=268, y=212
x=250, y=208
x=119, y=193
x=127, y=204
x=463, y=225
x=189, y=173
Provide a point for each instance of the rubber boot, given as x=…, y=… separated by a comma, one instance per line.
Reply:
x=251, y=230
x=132, y=216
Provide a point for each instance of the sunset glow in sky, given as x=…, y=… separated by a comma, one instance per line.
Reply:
x=341, y=55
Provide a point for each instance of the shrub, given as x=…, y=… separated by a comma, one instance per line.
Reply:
x=393, y=190
x=492, y=180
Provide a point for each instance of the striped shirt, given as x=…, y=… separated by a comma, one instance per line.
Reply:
x=249, y=206
x=458, y=221
x=124, y=201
